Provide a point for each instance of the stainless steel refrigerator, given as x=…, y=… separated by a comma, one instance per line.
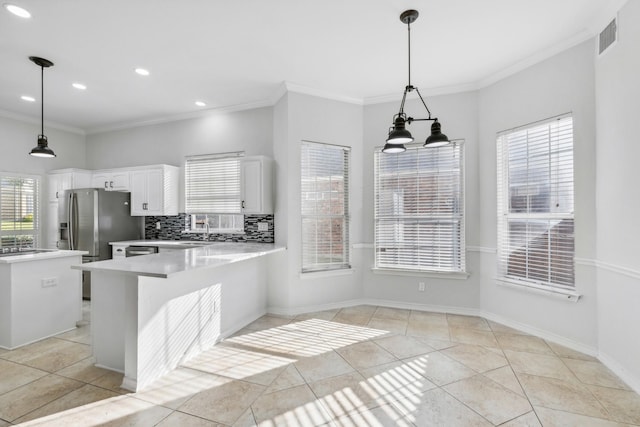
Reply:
x=90, y=218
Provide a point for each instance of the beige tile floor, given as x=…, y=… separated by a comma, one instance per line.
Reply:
x=359, y=366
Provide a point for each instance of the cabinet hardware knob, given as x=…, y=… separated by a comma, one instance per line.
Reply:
x=106, y=185
x=111, y=184
x=243, y=204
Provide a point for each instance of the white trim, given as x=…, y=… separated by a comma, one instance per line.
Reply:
x=457, y=275
x=281, y=311
x=241, y=324
x=183, y=116
x=130, y=384
x=562, y=294
x=427, y=92
x=26, y=119
x=310, y=275
x=585, y=261
x=620, y=371
x=536, y=58
x=98, y=365
x=483, y=249
x=465, y=311
x=618, y=269
x=541, y=333
x=306, y=90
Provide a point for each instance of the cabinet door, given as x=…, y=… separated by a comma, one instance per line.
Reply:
x=119, y=181
x=100, y=181
x=155, y=192
x=251, y=186
x=139, y=193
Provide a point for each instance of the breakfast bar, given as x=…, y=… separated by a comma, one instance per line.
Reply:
x=151, y=312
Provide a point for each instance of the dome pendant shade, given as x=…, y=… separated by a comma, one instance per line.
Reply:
x=393, y=148
x=42, y=149
x=437, y=138
x=398, y=133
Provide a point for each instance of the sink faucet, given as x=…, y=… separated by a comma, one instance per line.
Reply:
x=205, y=235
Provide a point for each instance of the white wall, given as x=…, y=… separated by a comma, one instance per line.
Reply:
x=17, y=138
x=618, y=208
x=168, y=143
x=563, y=83
x=458, y=114
x=301, y=117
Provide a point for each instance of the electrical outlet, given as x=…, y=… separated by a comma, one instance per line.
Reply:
x=263, y=226
x=49, y=281
x=421, y=286
x=158, y=225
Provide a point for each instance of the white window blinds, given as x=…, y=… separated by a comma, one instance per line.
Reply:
x=324, y=206
x=19, y=197
x=419, y=209
x=535, y=204
x=212, y=184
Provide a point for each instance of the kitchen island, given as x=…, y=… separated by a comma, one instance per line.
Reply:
x=151, y=312
x=40, y=296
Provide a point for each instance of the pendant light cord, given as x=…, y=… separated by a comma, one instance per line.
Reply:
x=42, y=100
x=409, y=48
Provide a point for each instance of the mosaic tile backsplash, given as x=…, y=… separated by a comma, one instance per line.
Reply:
x=173, y=227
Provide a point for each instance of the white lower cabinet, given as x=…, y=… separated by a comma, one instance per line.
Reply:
x=154, y=191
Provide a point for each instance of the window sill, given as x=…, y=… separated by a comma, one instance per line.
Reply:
x=417, y=273
x=212, y=231
x=328, y=273
x=526, y=287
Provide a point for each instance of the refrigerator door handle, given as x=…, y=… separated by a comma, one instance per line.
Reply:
x=73, y=223
x=70, y=219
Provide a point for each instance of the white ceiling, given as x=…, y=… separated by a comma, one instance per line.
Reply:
x=238, y=53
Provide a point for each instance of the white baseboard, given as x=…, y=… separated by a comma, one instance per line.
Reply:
x=541, y=333
x=129, y=384
x=241, y=324
x=624, y=374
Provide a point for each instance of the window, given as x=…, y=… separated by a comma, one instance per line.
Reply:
x=535, y=204
x=212, y=192
x=19, y=197
x=324, y=206
x=419, y=209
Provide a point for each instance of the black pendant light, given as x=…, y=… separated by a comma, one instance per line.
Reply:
x=398, y=133
x=42, y=149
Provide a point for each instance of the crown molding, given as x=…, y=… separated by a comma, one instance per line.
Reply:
x=443, y=90
x=183, y=116
x=48, y=124
x=536, y=58
x=305, y=90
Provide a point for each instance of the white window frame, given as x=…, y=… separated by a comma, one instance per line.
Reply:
x=406, y=248
x=35, y=200
x=313, y=259
x=207, y=201
x=526, y=253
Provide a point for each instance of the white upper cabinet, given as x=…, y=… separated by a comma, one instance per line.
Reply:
x=256, y=185
x=66, y=179
x=111, y=180
x=154, y=190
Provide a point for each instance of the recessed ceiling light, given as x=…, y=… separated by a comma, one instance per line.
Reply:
x=79, y=86
x=142, y=71
x=201, y=104
x=17, y=10
x=28, y=98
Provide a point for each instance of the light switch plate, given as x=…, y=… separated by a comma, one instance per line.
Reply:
x=263, y=226
x=49, y=281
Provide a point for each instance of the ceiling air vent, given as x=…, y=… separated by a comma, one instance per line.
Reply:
x=607, y=37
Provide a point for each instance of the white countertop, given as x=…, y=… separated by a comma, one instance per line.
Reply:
x=42, y=254
x=165, y=264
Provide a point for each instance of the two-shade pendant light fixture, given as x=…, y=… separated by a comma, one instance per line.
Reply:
x=398, y=133
x=42, y=149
